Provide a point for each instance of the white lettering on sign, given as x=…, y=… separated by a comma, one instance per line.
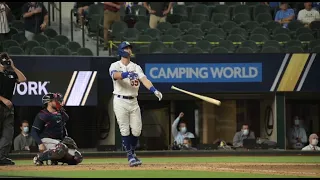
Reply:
x=31, y=88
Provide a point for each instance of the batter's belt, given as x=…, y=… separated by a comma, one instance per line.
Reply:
x=125, y=97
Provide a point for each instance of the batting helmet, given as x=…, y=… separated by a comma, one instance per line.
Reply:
x=121, y=48
x=52, y=96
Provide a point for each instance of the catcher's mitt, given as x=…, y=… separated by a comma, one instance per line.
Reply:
x=70, y=143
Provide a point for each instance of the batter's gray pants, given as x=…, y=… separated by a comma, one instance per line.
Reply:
x=6, y=130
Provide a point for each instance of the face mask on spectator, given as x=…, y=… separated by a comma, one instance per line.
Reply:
x=314, y=142
x=25, y=129
x=245, y=132
x=183, y=130
x=296, y=122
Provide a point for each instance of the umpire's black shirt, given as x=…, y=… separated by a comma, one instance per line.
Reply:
x=33, y=23
x=8, y=80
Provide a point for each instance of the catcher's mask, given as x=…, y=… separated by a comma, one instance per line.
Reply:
x=57, y=97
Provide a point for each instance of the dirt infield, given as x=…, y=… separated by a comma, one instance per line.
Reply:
x=295, y=169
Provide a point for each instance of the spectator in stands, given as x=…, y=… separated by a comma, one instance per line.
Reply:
x=316, y=6
x=245, y=133
x=23, y=141
x=272, y=4
x=111, y=14
x=284, y=15
x=158, y=12
x=4, y=24
x=182, y=133
x=307, y=15
x=187, y=144
x=82, y=10
x=35, y=18
x=297, y=135
x=313, y=140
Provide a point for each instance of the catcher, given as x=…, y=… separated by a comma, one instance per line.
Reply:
x=50, y=133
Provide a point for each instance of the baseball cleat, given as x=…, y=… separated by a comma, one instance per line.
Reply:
x=36, y=161
x=139, y=162
x=133, y=162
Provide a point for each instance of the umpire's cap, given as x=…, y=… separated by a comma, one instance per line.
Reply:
x=51, y=96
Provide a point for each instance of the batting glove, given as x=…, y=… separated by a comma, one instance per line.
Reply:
x=158, y=94
x=132, y=76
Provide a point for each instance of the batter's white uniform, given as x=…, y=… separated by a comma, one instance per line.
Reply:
x=127, y=111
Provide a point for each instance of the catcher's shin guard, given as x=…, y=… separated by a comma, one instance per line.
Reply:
x=54, y=154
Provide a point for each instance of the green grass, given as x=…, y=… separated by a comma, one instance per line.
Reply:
x=167, y=173
x=141, y=174
x=249, y=159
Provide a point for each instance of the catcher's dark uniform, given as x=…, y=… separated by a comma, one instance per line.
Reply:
x=49, y=129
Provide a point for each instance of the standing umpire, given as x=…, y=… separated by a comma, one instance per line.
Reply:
x=9, y=76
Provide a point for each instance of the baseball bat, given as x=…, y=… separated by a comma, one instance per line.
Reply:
x=205, y=98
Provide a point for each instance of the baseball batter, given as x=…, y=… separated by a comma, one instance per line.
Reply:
x=126, y=77
x=50, y=133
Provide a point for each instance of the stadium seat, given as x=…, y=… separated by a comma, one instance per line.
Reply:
x=131, y=34
x=206, y=25
x=219, y=50
x=9, y=43
x=221, y=8
x=19, y=37
x=189, y=38
x=241, y=18
x=316, y=49
x=170, y=51
x=156, y=46
x=200, y=9
x=219, y=18
x=303, y=30
x=250, y=25
x=141, y=26
x=270, y=49
x=272, y=43
x=281, y=30
x=181, y=46
x=15, y=50
x=272, y=25
x=294, y=49
x=232, y=3
x=62, y=51
x=95, y=9
x=180, y=10
x=239, y=9
x=263, y=18
x=244, y=50
x=27, y=46
x=305, y=37
x=130, y=20
x=282, y=37
x=240, y=31
x=84, y=52
x=12, y=32
x=261, y=30
x=175, y=19
x=251, y=44
x=139, y=10
x=204, y=45
x=196, y=32
x=197, y=19
x=93, y=23
x=313, y=44
x=118, y=27
x=38, y=50
x=18, y=24
x=212, y=38
x=292, y=43
x=184, y=26
x=144, y=38
x=217, y=31
x=228, y=45
x=228, y=26
x=63, y=40
x=258, y=38
x=235, y=38
x=175, y=32
x=294, y=25
x=154, y=33
x=252, y=3
x=164, y=26
x=40, y=38
x=143, y=49
x=194, y=50
x=260, y=9
x=167, y=38
x=51, y=45
x=50, y=33
x=73, y=46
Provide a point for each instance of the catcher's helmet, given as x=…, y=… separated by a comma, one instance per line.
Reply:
x=121, y=48
x=52, y=96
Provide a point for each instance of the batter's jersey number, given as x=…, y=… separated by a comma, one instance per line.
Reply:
x=135, y=82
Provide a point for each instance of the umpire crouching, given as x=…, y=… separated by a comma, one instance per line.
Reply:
x=9, y=76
